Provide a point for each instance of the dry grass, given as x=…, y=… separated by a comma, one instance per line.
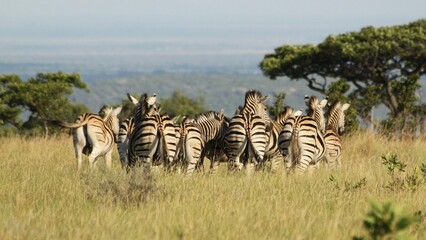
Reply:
x=43, y=197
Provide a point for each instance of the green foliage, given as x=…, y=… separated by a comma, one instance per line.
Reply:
x=9, y=110
x=182, y=105
x=386, y=221
x=392, y=162
x=382, y=64
x=410, y=181
x=277, y=106
x=45, y=97
x=128, y=108
x=348, y=186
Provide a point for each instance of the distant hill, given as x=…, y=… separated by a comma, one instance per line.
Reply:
x=218, y=90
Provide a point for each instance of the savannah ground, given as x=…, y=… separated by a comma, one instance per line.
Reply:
x=42, y=196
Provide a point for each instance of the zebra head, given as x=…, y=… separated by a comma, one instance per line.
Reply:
x=288, y=112
x=111, y=118
x=143, y=105
x=336, y=119
x=254, y=103
x=316, y=109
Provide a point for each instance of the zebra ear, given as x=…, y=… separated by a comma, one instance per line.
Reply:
x=132, y=99
x=152, y=99
x=175, y=119
x=117, y=110
x=297, y=113
x=263, y=99
x=307, y=99
x=221, y=114
x=345, y=106
x=323, y=102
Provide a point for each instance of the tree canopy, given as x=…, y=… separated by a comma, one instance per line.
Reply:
x=383, y=65
x=182, y=105
x=44, y=96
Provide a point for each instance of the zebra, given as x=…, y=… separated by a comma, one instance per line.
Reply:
x=315, y=110
x=202, y=137
x=127, y=126
x=301, y=140
x=95, y=134
x=273, y=131
x=335, y=127
x=153, y=138
x=246, y=134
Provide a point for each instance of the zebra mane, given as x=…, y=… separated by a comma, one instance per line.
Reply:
x=252, y=94
x=105, y=111
x=334, y=116
x=282, y=116
x=203, y=117
x=311, y=102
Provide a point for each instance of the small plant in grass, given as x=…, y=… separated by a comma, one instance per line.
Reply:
x=392, y=162
x=128, y=190
x=348, y=186
x=396, y=168
x=423, y=169
x=386, y=221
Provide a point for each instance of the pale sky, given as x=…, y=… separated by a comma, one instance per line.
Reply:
x=162, y=32
x=30, y=17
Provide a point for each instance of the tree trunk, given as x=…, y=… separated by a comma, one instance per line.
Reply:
x=393, y=102
x=46, y=129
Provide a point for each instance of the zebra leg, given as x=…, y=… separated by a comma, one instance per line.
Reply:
x=108, y=159
x=275, y=162
x=191, y=158
x=305, y=158
x=94, y=156
x=79, y=142
x=146, y=163
x=214, y=163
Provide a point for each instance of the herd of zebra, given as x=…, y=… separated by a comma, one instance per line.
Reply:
x=247, y=140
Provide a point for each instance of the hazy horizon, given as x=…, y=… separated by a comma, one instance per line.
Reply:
x=133, y=35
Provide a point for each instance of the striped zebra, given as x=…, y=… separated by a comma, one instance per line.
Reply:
x=127, y=126
x=315, y=110
x=153, y=139
x=95, y=134
x=335, y=127
x=273, y=130
x=301, y=141
x=202, y=137
x=246, y=135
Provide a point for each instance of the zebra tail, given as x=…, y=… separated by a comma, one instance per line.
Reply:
x=69, y=125
x=163, y=148
x=252, y=148
x=294, y=146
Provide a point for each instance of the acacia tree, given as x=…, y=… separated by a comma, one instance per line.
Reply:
x=44, y=96
x=378, y=62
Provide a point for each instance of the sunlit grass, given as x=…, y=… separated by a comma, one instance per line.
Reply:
x=42, y=196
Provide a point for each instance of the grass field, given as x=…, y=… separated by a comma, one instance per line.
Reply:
x=42, y=196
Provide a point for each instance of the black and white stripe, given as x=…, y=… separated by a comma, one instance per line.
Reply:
x=95, y=134
x=127, y=126
x=273, y=130
x=246, y=135
x=202, y=137
x=335, y=127
x=153, y=141
x=301, y=141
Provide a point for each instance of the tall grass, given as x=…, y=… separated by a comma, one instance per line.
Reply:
x=42, y=196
